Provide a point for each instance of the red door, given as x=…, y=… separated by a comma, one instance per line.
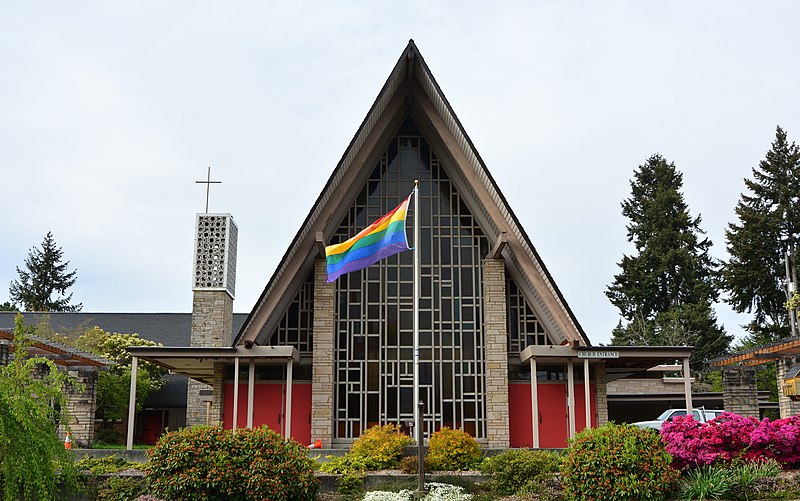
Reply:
x=553, y=418
x=268, y=408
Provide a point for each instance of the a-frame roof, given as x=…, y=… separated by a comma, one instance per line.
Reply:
x=412, y=90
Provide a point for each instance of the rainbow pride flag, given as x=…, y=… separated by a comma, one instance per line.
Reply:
x=383, y=238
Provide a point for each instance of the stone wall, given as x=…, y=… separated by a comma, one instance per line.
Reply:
x=601, y=394
x=81, y=405
x=633, y=386
x=788, y=407
x=212, y=325
x=323, y=357
x=739, y=391
x=496, y=351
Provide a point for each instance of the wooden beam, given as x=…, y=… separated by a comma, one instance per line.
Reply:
x=499, y=245
x=320, y=241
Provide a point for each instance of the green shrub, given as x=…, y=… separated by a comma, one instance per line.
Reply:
x=105, y=465
x=119, y=489
x=452, y=450
x=351, y=483
x=620, y=462
x=348, y=463
x=706, y=482
x=380, y=447
x=207, y=462
x=109, y=434
x=516, y=470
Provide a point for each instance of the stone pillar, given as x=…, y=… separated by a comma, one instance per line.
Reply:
x=214, y=283
x=739, y=392
x=601, y=393
x=787, y=406
x=322, y=380
x=81, y=405
x=212, y=323
x=496, y=351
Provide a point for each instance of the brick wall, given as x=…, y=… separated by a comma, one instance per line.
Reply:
x=601, y=394
x=81, y=405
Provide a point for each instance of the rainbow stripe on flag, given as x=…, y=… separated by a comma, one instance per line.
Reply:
x=383, y=238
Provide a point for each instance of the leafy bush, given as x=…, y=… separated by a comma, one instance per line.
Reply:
x=620, y=462
x=452, y=450
x=119, y=489
x=516, y=470
x=109, y=434
x=207, y=462
x=108, y=464
x=730, y=437
x=348, y=463
x=351, y=483
x=410, y=464
x=380, y=446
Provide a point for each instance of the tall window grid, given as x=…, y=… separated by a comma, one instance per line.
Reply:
x=374, y=307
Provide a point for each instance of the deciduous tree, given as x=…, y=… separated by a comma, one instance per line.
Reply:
x=32, y=403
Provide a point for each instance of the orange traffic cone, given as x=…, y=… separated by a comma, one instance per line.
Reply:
x=68, y=442
x=316, y=445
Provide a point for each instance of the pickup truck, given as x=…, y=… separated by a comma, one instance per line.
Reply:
x=700, y=415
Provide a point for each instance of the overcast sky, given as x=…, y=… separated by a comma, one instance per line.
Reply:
x=110, y=111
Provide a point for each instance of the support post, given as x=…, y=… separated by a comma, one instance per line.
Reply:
x=687, y=386
x=288, y=426
x=535, y=403
x=587, y=396
x=235, y=394
x=571, y=397
x=251, y=383
x=132, y=400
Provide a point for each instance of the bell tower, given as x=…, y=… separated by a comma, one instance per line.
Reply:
x=213, y=286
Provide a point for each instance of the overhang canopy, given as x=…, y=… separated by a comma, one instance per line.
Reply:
x=66, y=356
x=198, y=362
x=763, y=354
x=620, y=361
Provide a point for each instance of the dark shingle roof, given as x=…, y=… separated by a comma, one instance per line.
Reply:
x=169, y=329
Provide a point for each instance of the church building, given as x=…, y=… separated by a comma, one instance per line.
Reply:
x=502, y=356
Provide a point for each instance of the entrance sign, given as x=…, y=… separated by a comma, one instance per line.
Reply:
x=598, y=354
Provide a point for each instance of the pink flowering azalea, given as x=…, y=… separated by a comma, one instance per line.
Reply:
x=730, y=437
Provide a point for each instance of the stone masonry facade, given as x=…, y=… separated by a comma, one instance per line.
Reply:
x=323, y=361
x=739, y=391
x=81, y=405
x=212, y=325
x=601, y=394
x=787, y=406
x=496, y=352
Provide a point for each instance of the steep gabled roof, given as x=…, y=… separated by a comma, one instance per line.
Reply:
x=412, y=90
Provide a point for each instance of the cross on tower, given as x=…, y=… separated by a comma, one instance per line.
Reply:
x=208, y=182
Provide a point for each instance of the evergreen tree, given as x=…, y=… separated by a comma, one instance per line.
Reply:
x=44, y=276
x=768, y=225
x=7, y=306
x=665, y=291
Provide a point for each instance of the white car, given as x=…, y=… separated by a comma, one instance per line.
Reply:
x=699, y=415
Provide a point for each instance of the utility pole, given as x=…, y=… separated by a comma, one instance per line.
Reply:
x=791, y=287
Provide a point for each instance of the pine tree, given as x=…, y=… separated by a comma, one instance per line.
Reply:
x=768, y=226
x=665, y=291
x=44, y=276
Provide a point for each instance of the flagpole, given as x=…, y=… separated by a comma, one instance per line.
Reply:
x=417, y=412
x=418, y=405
